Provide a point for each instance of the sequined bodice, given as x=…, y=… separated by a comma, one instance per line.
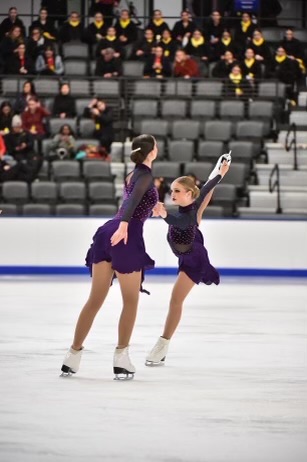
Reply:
x=181, y=240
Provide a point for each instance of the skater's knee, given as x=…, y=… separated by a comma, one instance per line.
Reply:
x=175, y=303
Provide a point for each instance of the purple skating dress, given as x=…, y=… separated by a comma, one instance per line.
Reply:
x=187, y=242
x=140, y=196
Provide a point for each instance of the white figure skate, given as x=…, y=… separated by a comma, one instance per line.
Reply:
x=122, y=366
x=157, y=355
x=71, y=362
x=216, y=169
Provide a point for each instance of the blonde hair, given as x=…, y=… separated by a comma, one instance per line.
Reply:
x=189, y=185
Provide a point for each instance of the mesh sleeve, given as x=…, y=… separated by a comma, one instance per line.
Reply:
x=142, y=183
x=182, y=220
x=206, y=189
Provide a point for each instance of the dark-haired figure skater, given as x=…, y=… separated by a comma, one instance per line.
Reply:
x=118, y=250
x=187, y=243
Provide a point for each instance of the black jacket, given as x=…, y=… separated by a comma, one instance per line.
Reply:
x=64, y=103
x=108, y=67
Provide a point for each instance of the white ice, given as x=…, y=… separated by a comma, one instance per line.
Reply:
x=233, y=388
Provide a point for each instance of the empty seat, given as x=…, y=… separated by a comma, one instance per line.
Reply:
x=236, y=175
x=133, y=68
x=161, y=149
x=185, y=129
x=233, y=110
x=249, y=130
x=217, y=130
x=15, y=191
x=203, y=110
x=86, y=128
x=149, y=88
x=46, y=86
x=143, y=108
x=107, y=88
x=75, y=50
x=95, y=170
x=63, y=170
x=200, y=169
x=181, y=151
x=103, y=192
x=38, y=210
x=8, y=210
x=56, y=123
x=44, y=191
x=80, y=87
x=174, y=109
x=178, y=88
x=241, y=151
x=156, y=127
x=70, y=210
x=214, y=211
x=12, y=86
x=72, y=192
x=168, y=170
x=76, y=67
x=209, y=89
x=262, y=110
x=117, y=150
x=43, y=173
x=271, y=90
x=102, y=210
x=272, y=34
x=225, y=196
x=81, y=104
x=210, y=150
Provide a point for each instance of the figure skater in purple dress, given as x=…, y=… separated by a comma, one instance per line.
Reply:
x=118, y=250
x=187, y=243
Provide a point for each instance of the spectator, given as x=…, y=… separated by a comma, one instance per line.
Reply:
x=162, y=188
x=168, y=44
x=261, y=48
x=57, y=10
x=145, y=47
x=20, y=62
x=45, y=24
x=11, y=21
x=244, y=31
x=198, y=47
x=223, y=67
x=107, y=66
x=286, y=70
x=110, y=41
x=33, y=118
x=16, y=172
x=215, y=29
x=63, y=144
x=36, y=44
x=2, y=147
x=251, y=68
x=6, y=116
x=185, y=66
x=293, y=47
x=104, y=7
x=64, y=104
x=157, y=24
x=20, y=145
x=226, y=43
x=10, y=43
x=237, y=85
x=103, y=118
x=48, y=63
x=184, y=28
x=28, y=91
x=157, y=65
x=126, y=30
x=72, y=29
x=97, y=30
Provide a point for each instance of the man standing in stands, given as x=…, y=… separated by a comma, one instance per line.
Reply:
x=57, y=10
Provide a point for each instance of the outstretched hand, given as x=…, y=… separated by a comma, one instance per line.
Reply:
x=224, y=168
x=120, y=234
x=159, y=210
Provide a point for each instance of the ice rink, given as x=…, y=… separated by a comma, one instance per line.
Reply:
x=233, y=388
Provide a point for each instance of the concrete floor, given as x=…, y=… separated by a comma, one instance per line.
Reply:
x=233, y=388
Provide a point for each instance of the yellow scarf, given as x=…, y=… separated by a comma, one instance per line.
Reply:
x=158, y=22
x=249, y=62
x=99, y=24
x=280, y=59
x=197, y=42
x=259, y=42
x=226, y=41
x=245, y=25
x=149, y=40
x=301, y=64
x=48, y=36
x=167, y=41
x=166, y=52
x=235, y=78
x=110, y=38
x=124, y=23
x=74, y=23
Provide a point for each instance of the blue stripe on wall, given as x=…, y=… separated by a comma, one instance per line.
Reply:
x=71, y=270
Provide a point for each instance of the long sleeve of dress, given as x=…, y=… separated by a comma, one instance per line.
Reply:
x=142, y=184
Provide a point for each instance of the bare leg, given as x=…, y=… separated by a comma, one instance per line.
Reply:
x=130, y=288
x=180, y=291
x=101, y=280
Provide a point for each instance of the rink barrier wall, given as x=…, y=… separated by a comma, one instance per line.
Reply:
x=236, y=247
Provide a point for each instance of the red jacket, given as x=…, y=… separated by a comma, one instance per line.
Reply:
x=2, y=146
x=188, y=67
x=36, y=119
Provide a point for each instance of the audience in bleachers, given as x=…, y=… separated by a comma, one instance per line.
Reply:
x=8, y=23
x=19, y=62
x=37, y=43
x=104, y=7
x=226, y=43
x=197, y=48
x=10, y=42
x=145, y=47
x=6, y=116
x=223, y=67
x=72, y=30
x=168, y=44
x=157, y=24
x=111, y=41
x=126, y=29
x=215, y=28
x=244, y=31
x=251, y=68
x=49, y=63
x=102, y=115
x=157, y=65
x=64, y=105
x=237, y=85
x=33, y=118
x=184, y=28
x=97, y=30
x=185, y=66
x=45, y=24
x=63, y=144
x=28, y=91
x=261, y=48
x=107, y=65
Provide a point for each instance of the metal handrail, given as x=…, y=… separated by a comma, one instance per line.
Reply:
x=292, y=143
x=275, y=185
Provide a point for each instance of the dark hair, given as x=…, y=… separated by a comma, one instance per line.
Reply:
x=142, y=145
x=4, y=104
x=32, y=86
x=69, y=127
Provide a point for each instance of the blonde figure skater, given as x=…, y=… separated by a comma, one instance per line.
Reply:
x=118, y=250
x=187, y=243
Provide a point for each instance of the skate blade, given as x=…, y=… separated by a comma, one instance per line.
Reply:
x=66, y=371
x=122, y=374
x=66, y=374
x=155, y=364
x=123, y=378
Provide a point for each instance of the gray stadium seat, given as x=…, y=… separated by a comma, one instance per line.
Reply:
x=15, y=191
x=133, y=68
x=43, y=173
x=65, y=170
x=86, y=128
x=185, y=129
x=38, y=210
x=174, y=109
x=143, y=108
x=156, y=127
x=102, y=192
x=107, y=88
x=12, y=86
x=213, y=211
x=72, y=192
x=69, y=210
x=56, y=123
x=75, y=50
x=95, y=170
x=101, y=210
x=117, y=150
x=298, y=117
x=147, y=88
x=81, y=104
x=203, y=110
x=225, y=196
x=180, y=150
x=8, y=210
x=45, y=87
x=232, y=110
x=161, y=149
x=178, y=89
x=242, y=151
x=80, y=87
x=263, y=111
x=272, y=34
x=76, y=67
x=217, y=130
x=44, y=191
x=236, y=175
x=209, y=89
x=210, y=150
x=249, y=130
x=168, y=170
x=200, y=169
x=271, y=90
